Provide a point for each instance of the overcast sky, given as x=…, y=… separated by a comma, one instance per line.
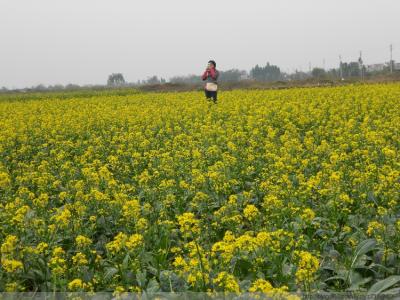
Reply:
x=83, y=41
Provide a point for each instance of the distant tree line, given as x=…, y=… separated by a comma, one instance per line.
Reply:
x=266, y=73
x=152, y=80
x=345, y=70
x=232, y=75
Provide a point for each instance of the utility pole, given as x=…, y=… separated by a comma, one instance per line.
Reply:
x=391, y=58
x=360, y=61
x=341, y=68
x=309, y=66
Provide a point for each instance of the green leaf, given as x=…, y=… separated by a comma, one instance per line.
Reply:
x=361, y=261
x=384, y=284
x=335, y=278
x=125, y=262
x=152, y=286
x=110, y=272
x=357, y=280
x=354, y=277
x=379, y=267
x=363, y=248
x=395, y=291
x=287, y=269
x=141, y=278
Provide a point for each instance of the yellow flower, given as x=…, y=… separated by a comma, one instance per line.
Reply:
x=345, y=199
x=382, y=211
x=5, y=180
x=142, y=224
x=105, y=174
x=42, y=200
x=308, y=215
x=118, y=290
x=9, y=244
x=307, y=267
x=131, y=209
x=41, y=248
x=179, y=262
x=117, y=244
x=251, y=212
x=63, y=196
x=121, y=241
x=346, y=229
x=227, y=282
x=374, y=227
x=261, y=285
x=82, y=241
x=79, y=259
x=389, y=152
x=189, y=225
x=271, y=202
x=75, y=285
x=62, y=218
x=11, y=265
x=20, y=214
x=13, y=287
x=135, y=241
x=57, y=263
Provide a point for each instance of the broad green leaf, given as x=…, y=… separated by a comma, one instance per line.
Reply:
x=363, y=248
x=379, y=266
x=384, y=284
x=395, y=291
x=357, y=280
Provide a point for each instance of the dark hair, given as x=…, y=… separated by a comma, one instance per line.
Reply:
x=213, y=62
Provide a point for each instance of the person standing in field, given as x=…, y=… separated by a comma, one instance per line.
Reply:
x=210, y=76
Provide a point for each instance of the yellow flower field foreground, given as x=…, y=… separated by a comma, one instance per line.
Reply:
x=267, y=191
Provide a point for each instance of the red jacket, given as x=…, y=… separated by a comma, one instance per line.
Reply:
x=210, y=72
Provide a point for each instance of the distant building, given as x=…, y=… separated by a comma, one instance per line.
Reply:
x=396, y=66
x=244, y=77
x=375, y=67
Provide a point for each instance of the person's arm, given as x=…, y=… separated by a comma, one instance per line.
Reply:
x=213, y=74
x=205, y=75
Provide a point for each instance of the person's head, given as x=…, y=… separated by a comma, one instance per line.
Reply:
x=211, y=64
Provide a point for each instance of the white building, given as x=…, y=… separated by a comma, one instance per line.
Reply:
x=375, y=67
x=396, y=66
x=244, y=76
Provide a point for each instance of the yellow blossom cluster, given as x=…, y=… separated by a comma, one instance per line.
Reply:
x=307, y=266
x=122, y=241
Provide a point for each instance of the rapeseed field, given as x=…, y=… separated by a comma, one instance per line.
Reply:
x=271, y=191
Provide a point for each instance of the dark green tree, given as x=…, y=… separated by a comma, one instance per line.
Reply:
x=116, y=79
x=351, y=69
x=267, y=73
x=318, y=73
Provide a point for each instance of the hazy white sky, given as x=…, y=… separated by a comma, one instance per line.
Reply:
x=71, y=41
